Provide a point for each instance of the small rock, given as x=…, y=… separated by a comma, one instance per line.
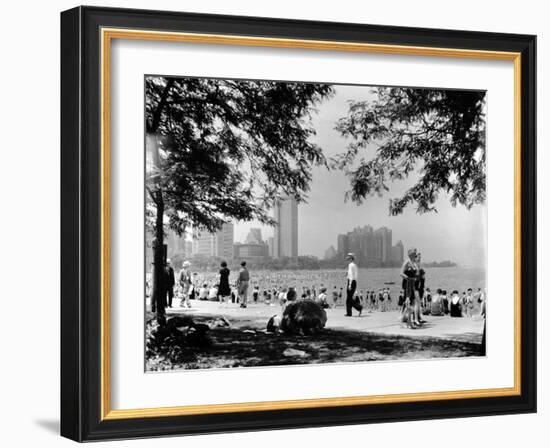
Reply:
x=294, y=352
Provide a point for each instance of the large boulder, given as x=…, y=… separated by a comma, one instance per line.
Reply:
x=303, y=317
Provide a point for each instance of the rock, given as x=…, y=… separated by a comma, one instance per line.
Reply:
x=303, y=317
x=294, y=352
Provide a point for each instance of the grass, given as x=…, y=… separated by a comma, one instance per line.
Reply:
x=245, y=344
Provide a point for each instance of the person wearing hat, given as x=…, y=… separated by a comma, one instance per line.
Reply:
x=169, y=281
x=242, y=284
x=352, y=286
x=184, y=279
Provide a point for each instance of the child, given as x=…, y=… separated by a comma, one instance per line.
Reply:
x=455, y=308
x=334, y=297
x=469, y=303
x=322, y=298
x=407, y=313
x=385, y=298
x=373, y=300
x=283, y=297
x=357, y=303
x=445, y=302
x=203, y=292
x=213, y=293
x=436, y=304
x=291, y=294
x=381, y=300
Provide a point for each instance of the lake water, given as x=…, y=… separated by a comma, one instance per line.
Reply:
x=445, y=278
x=450, y=278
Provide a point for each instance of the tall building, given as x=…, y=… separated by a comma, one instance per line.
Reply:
x=270, y=243
x=354, y=244
x=360, y=242
x=342, y=245
x=219, y=244
x=285, y=239
x=367, y=245
x=371, y=248
x=254, y=236
x=398, y=254
x=383, y=245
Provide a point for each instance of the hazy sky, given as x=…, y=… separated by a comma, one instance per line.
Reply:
x=453, y=233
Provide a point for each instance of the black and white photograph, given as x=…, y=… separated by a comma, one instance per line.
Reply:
x=302, y=223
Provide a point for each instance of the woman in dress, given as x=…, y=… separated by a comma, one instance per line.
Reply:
x=409, y=273
x=420, y=286
x=224, y=291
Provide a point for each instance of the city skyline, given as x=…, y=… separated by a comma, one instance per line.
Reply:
x=455, y=233
x=372, y=248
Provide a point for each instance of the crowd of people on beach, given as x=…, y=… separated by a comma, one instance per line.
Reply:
x=414, y=300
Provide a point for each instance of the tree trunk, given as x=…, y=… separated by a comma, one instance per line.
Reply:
x=158, y=296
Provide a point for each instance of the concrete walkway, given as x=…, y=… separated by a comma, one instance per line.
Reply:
x=459, y=329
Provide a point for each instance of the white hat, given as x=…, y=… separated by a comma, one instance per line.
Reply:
x=186, y=263
x=350, y=255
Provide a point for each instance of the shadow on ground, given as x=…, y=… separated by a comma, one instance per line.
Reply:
x=244, y=344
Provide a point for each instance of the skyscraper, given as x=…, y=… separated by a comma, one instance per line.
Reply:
x=397, y=254
x=285, y=238
x=342, y=245
x=371, y=248
x=270, y=244
x=382, y=245
x=254, y=236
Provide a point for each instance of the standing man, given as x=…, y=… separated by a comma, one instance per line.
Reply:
x=184, y=279
x=169, y=281
x=242, y=284
x=352, y=286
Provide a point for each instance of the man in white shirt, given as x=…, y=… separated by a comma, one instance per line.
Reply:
x=352, y=286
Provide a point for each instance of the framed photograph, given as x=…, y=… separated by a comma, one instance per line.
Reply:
x=277, y=224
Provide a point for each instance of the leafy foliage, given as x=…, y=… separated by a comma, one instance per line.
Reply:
x=439, y=134
x=229, y=149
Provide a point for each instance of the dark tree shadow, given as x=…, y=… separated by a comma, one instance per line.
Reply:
x=248, y=345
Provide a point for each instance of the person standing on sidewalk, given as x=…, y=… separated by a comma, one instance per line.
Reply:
x=184, y=279
x=242, y=284
x=353, y=273
x=169, y=281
